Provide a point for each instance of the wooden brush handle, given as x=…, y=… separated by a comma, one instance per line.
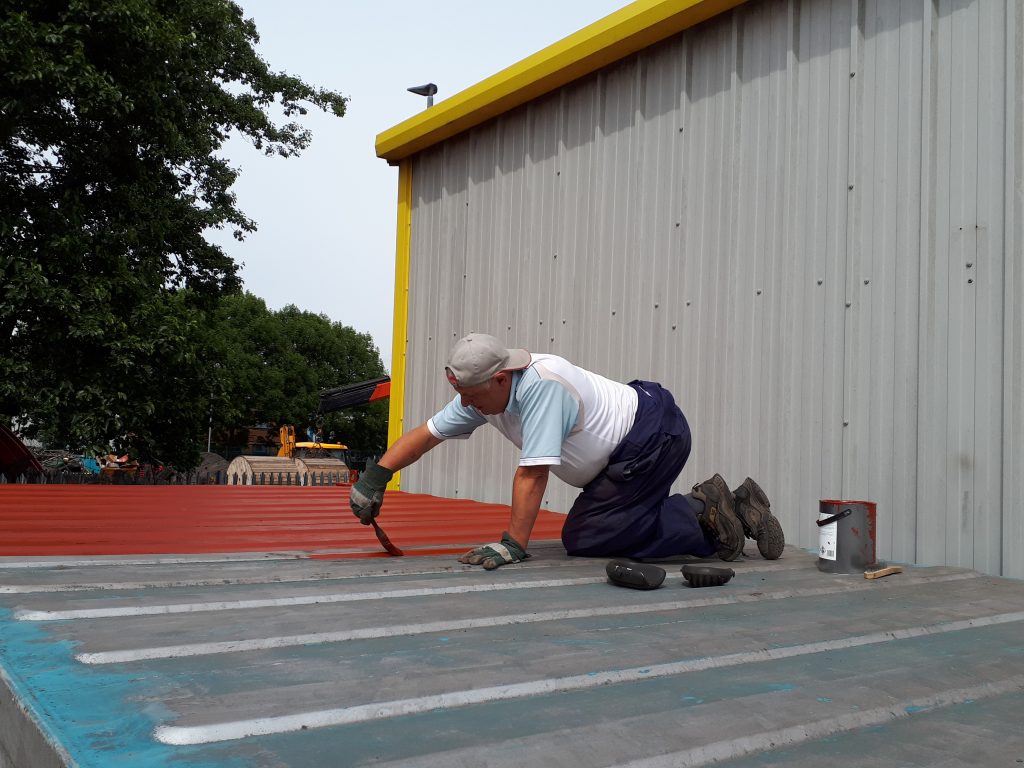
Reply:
x=883, y=572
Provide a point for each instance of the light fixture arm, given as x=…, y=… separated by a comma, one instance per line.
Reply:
x=428, y=90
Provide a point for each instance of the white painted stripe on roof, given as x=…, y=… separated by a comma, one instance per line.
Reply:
x=107, y=586
x=406, y=630
x=270, y=579
x=279, y=602
x=319, y=557
x=352, y=568
x=257, y=581
x=58, y=562
x=798, y=734
x=238, y=729
x=264, y=580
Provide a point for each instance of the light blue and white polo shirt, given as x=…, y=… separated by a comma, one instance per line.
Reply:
x=558, y=414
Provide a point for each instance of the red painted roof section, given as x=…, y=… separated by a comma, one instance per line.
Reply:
x=15, y=458
x=140, y=519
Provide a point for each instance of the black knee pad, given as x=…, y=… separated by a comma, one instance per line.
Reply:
x=624, y=573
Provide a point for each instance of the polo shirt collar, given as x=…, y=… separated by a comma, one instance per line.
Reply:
x=513, y=405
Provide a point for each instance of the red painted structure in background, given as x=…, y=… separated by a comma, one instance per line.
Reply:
x=15, y=458
x=316, y=521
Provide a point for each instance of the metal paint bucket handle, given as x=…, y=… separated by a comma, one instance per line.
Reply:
x=837, y=516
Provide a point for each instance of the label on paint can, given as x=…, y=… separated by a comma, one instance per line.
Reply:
x=827, y=535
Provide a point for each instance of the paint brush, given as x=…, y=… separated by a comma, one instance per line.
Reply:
x=385, y=542
x=382, y=537
x=878, y=570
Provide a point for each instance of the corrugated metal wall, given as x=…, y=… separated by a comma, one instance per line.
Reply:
x=805, y=218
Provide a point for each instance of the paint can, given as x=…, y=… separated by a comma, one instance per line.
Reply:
x=846, y=536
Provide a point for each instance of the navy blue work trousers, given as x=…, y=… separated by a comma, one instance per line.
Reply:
x=626, y=511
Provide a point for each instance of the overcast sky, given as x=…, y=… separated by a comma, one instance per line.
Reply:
x=326, y=238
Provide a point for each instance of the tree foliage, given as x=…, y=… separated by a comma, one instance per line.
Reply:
x=273, y=366
x=112, y=113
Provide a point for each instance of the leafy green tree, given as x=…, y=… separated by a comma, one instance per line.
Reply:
x=111, y=116
x=275, y=364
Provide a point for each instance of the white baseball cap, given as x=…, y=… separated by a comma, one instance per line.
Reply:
x=477, y=357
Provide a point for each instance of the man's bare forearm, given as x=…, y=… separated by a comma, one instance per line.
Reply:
x=528, y=488
x=409, y=448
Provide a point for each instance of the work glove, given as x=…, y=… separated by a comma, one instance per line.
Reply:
x=497, y=554
x=367, y=495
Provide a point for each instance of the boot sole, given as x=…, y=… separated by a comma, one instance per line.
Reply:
x=731, y=520
x=743, y=495
x=769, y=537
x=726, y=522
x=755, y=489
x=771, y=540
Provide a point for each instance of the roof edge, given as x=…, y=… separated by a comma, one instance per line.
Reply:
x=626, y=31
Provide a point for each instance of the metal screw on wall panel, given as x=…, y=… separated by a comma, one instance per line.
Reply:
x=970, y=264
x=677, y=223
x=542, y=322
x=655, y=306
x=613, y=313
x=848, y=304
x=552, y=339
x=563, y=321
x=853, y=74
x=866, y=282
x=819, y=281
x=687, y=303
x=556, y=256
x=673, y=327
x=758, y=291
x=969, y=282
x=846, y=423
x=509, y=327
x=850, y=187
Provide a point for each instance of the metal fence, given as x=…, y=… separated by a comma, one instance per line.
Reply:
x=144, y=477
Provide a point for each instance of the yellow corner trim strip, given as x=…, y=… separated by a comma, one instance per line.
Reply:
x=399, y=341
x=614, y=37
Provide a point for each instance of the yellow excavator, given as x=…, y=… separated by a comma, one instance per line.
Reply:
x=332, y=400
x=311, y=462
x=307, y=449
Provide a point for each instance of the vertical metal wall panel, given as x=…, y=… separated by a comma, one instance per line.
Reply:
x=990, y=246
x=1012, y=480
x=803, y=217
x=879, y=460
x=1013, y=344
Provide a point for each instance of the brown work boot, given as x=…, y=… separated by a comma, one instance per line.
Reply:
x=759, y=524
x=718, y=520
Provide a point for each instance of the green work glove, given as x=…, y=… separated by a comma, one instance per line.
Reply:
x=367, y=495
x=497, y=554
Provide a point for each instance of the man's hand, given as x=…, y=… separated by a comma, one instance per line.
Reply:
x=367, y=495
x=494, y=555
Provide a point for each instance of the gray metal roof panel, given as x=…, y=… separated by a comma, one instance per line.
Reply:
x=422, y=662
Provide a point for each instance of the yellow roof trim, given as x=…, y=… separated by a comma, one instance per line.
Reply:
x=400, y=337
x=614, y=37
